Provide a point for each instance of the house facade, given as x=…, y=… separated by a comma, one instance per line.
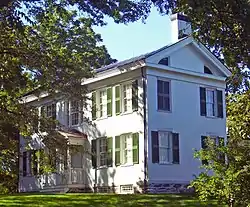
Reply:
x=139, y=127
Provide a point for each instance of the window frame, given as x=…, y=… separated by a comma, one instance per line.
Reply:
x=104, y=153
x=129, y=151
x=168, y=58
x=47, y=111
x=101, y=112
x=75, y=112
x=164, y=95
x=208, y=89
x=168, y=148
x=128, y=99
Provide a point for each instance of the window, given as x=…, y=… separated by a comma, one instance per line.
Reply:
x=207, y=70
x=127, y=149
x=102, y=149
x=127, y=98
x=103, y=152
x=49, y=111
x=165, y=147
x=74, y=112
x=211, y=102
x=163, y=96
x=164, y=61
x=218, y=142
x=103, y=103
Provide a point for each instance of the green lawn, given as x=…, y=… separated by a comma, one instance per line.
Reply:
x=98, y=200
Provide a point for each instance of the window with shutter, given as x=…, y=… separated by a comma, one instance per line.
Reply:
x=165, y=147
x=217, y=142
x=163, y=95
x=211, y=102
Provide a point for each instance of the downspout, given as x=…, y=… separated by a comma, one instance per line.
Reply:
x=145, y=181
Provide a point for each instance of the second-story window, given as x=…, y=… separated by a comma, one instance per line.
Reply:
x=74, y=109
x=211, y=102
x=103, y=103
x=163, y=95
x=127, y=98
x=49, y=111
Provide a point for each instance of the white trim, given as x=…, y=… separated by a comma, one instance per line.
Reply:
x=212, y=58
x=184, y=71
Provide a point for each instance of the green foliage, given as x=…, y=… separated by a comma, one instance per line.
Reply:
x=228, y=180
x=49, y=46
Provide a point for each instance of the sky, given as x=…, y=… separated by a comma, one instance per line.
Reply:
x=126, y=41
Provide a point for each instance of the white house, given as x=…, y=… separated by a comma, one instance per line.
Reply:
x=147, y=115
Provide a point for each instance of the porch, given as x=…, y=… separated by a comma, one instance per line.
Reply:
x=74, y=178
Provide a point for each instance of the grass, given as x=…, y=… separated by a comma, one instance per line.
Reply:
x=101, y=200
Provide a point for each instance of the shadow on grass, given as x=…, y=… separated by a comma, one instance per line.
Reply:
x=101, y=200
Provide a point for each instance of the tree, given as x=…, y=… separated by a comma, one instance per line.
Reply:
x=223, y=26
x=50, y=46
x=228, y=179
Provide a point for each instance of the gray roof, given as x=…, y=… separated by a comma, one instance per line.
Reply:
x=134, y=59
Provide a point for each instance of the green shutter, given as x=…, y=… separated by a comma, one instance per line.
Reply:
x=110, y=151
x=94, y=105
x=136, y=148
x=109, y=101
x=135, y=95
x=93, y=153
x=117, y=151
x=118, y=100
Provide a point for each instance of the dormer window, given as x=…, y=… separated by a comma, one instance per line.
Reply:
x=207, y=70
x=164, y=61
